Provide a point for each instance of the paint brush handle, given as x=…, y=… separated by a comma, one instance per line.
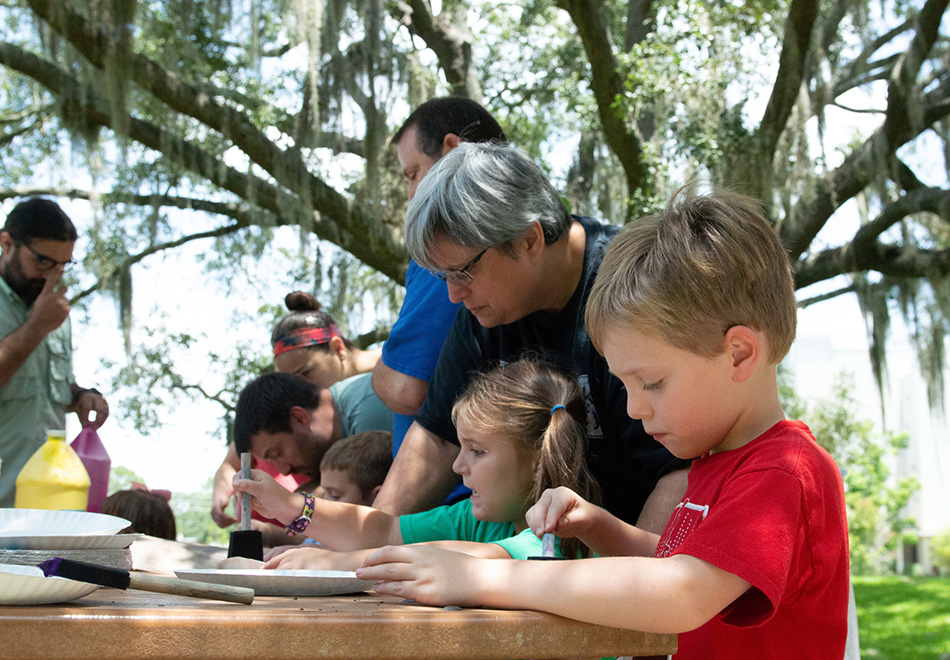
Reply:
x=116, y=578
x=245, y=497
x=191, y=588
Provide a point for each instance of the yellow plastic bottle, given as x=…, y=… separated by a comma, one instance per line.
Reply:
x=53, y=478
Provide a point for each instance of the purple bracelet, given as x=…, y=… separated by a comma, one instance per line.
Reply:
x=301, y=523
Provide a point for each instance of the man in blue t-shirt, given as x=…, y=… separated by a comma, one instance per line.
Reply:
x=410, y=353
x=486, y=220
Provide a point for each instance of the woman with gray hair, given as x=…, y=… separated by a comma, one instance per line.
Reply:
x=486, y=220
x=485, y=196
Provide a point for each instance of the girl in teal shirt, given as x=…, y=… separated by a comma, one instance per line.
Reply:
x=521, y=431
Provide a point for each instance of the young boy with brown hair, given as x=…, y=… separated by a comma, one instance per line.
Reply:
x=354, y=468
x=693, y=309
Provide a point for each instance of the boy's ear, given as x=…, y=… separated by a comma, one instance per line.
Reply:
x=373, y=493
x=744, y=347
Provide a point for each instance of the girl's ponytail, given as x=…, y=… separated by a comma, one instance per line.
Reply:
x=562, y=460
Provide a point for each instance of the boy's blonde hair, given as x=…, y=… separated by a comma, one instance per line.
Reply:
x=688, y=274
x=542, y=408
x=365, y=457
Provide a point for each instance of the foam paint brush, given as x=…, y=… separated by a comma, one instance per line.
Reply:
x=246, y=542
x=116, y=578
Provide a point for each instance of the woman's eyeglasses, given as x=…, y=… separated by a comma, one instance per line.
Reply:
x=460, y=276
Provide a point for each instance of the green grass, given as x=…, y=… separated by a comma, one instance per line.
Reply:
x=903, y=618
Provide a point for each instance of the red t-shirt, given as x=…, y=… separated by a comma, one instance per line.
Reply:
x=771, y=512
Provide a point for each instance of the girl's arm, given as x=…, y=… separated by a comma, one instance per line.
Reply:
x=322, y=559
x=337, y=525
x=566, y=514
x=668, y=595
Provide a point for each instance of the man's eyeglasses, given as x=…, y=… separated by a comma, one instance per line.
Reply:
x=44, y=263
x=460, y=276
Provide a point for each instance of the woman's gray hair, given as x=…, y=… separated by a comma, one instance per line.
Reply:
x=482, y=196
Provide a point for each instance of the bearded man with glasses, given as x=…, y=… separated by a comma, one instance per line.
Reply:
x=37, y=386
x=486, y=220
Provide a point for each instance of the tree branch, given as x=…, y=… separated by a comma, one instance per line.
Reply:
x=448, y=37
x=590, y=18
x=825, y=195
x=865, y=252
x=903, y=101
x=830, y=295
x=796, y=42
x=286, y=209
x=133, y=259
x=374, y=244
x=935, y=200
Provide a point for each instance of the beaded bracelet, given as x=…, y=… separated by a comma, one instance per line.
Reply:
x=301, y=523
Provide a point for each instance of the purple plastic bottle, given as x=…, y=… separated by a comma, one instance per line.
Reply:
x=97, y=462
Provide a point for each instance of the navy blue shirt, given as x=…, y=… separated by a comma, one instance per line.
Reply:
x=625, y=461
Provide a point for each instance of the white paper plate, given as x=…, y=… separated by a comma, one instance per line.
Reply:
x=41, y=522
x=81, y=542
x=282, y=583
x=26, y=585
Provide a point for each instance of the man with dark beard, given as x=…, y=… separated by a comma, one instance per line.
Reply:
x=37, y=387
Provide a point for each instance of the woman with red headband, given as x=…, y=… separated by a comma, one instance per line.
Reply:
x=308, y=344
x=329, y=357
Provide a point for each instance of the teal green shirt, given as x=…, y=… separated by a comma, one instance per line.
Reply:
x=456, y=523
x=35, y=398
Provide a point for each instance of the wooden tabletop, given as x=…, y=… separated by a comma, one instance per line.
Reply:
x=135, y=625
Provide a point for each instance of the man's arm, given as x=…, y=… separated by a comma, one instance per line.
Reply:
x=421, y=475
x=15, y=348
x=403, y=394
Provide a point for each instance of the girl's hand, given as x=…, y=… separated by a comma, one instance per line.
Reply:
x=309, y=558
x=428, y=574
x=268, y=497
x=561, y=511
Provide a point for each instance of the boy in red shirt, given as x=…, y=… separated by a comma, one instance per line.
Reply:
x=693, y=309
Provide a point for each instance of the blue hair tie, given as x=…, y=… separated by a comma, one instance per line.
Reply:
x=556, y=407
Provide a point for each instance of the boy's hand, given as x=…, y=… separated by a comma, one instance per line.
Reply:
x=428, y=574
x=561, y=511
x=268, y=497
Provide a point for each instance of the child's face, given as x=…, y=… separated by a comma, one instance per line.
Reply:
x=682, y=398
x=338, y=486
x=499, y=473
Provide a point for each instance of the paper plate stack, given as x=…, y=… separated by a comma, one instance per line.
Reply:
x=30, y=536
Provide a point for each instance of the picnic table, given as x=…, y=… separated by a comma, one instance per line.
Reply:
x=111, y=624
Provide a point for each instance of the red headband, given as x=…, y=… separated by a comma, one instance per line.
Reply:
x=302, y=337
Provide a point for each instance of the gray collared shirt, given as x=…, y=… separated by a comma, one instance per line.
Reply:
x=35, y=399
